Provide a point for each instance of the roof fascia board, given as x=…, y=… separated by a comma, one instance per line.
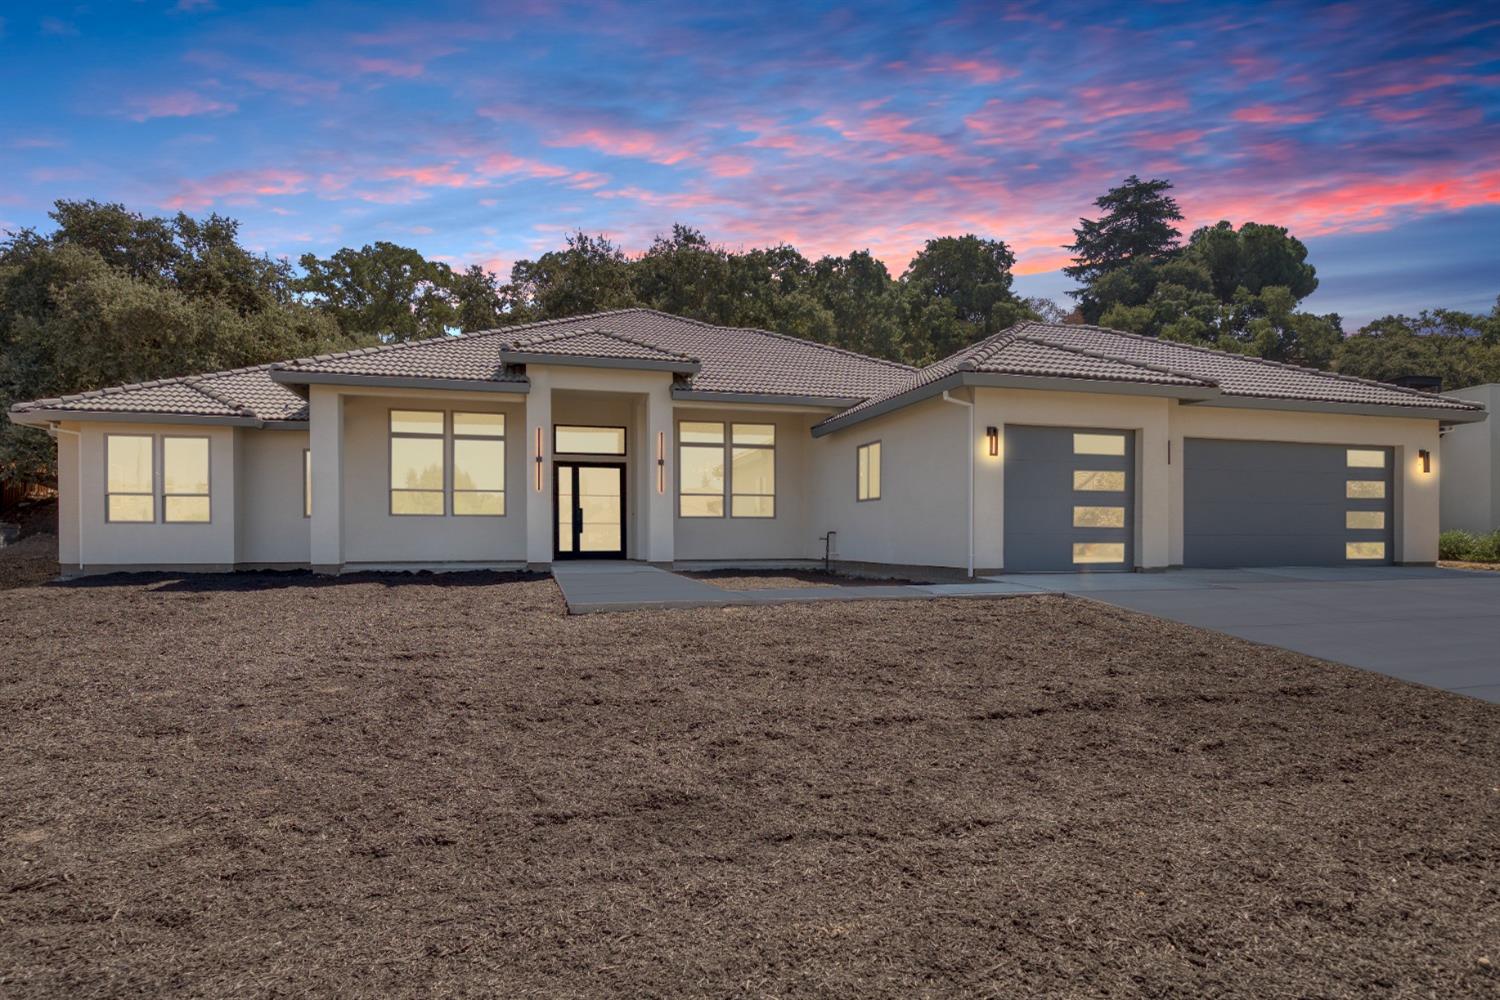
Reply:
x=585, y=361
x=907, y=398
x=766, y=399
x=41, y=418
x=1446, y=415
x=999, y=380
x=284, y=376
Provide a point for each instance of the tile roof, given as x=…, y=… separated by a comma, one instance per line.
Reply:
x=1094, y=353
x=241, y=392
x=597, y=344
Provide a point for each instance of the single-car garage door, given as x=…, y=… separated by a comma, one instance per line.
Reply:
x=1268, y=503
x=1069, y=499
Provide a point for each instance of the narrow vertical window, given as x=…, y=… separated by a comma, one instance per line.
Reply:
x=868, y=475
x=417, y=473
x=700, y=466
x=306, y=482
x=130, y=478
x=478, y=464
x=752, y=474
x=184, y=479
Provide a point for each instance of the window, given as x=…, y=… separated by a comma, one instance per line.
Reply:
x=130, y=478
x=752, y=475
x=1098, y=552
x=1365, y=489
x=184, y=479
x=478, y=464
x=868, y=477
x=1098, y=444
x=417, y=462
x=700, y=465
x=1360, y=458
x=1362, y=520
x=573, y=440
x=1098, y=517
x=1099, y=482
x=306, y=482
x=1364, y=550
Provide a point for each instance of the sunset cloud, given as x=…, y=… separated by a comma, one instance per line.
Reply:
x=175, y=104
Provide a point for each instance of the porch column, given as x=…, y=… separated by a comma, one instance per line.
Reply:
x=660, y=506
x=538, y=501
x=326, y=447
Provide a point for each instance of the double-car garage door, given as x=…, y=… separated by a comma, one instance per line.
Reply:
x=1070, y=502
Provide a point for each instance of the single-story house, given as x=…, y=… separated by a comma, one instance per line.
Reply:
x=1471, y=456
x=640, y=435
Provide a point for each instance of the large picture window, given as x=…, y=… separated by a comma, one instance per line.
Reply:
x=701, y=469
x=478, y=464
x=130, y=477
x=417, y=477
x=752, y=474
x=184, y=479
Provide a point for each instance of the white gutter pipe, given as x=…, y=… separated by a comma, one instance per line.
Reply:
x=54, y=430
x=969, y=447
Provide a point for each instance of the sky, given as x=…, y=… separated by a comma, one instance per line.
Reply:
x=485, y=132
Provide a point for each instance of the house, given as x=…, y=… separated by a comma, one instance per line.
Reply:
x=1471, y=456
x=635, y=434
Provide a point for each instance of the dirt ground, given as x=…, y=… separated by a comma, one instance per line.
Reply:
x=382, y=786
x=1457, y=564
x=30, y=561
x=779, y=579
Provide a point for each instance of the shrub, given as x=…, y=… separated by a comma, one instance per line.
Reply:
x=1461, y=546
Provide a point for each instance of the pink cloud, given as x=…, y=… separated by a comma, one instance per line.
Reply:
x=728, y=165
x=895, y=132
x=977, y=70
x=1127, y=99
x=236, y=187
x=439, y=175
x=635, y=143
x=405, y=69
x=176, y=104
x=1266, y=114
x=1161, y=141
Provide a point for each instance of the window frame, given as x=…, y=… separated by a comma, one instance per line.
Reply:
x=451, y=472
x=208, y=459
x=722, y=446
x=154, y=475
x=391, y=434
x=873, y=497
x=731, y=447
x=624, y=439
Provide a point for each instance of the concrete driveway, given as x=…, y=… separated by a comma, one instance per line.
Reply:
x=1437, y=627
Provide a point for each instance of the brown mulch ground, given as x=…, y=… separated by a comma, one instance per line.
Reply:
x=30, y=561
x=1458, y=564
x=382, y=786
x=780, y=579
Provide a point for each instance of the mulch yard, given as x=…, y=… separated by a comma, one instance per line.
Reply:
x=382, y=786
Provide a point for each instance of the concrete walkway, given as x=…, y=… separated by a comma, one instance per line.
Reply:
x=1437, y=627
x=629, y=586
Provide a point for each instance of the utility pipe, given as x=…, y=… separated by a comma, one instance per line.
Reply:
x=969, y=447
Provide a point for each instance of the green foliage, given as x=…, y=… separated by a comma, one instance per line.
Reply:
x=1461, y=546
x=381, y=291
x=1461, y=348
x=1136, y=226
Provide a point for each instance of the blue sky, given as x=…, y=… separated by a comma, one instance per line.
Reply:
x=484, y=132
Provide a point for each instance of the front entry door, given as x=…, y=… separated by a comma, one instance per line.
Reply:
x=590, y=503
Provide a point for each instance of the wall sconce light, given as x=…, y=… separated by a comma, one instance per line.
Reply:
x=539, y=460
x=661, y=462
x=993, y=435
x=1426, y=457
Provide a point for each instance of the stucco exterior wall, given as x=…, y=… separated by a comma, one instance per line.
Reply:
x=371, y=534
x=784, y=536
x=271, y=528
x=104, y=544
x=921, y=518
x=1471, y=468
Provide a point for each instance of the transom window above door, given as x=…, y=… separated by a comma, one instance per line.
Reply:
x=577, y=439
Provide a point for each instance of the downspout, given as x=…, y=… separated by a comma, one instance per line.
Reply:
x=54, y=430
x=969, y=447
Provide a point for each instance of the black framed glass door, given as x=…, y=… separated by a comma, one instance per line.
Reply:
x=589, y=510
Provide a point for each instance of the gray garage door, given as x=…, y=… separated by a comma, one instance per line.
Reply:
x=1069, y=499
x=1266, y=503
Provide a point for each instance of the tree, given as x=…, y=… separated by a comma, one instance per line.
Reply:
x=590, y=275
x=959, y=291
x=477, y=299
x=1136, y=225
x=381, y=290
x=1460, y=348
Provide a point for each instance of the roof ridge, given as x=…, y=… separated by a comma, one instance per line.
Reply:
x=568, y=334
x=983, y=350
x=1101, y=356
x=1255, y=359
x=779, y=336
x=196, y=384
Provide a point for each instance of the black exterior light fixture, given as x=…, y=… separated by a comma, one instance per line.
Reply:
x=1426, y=457
x=992, y=434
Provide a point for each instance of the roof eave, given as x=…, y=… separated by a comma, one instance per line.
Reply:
x=293, y=377
x=767, y=398
x=1448, y=415
x=45, y=417
x=684, y=367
